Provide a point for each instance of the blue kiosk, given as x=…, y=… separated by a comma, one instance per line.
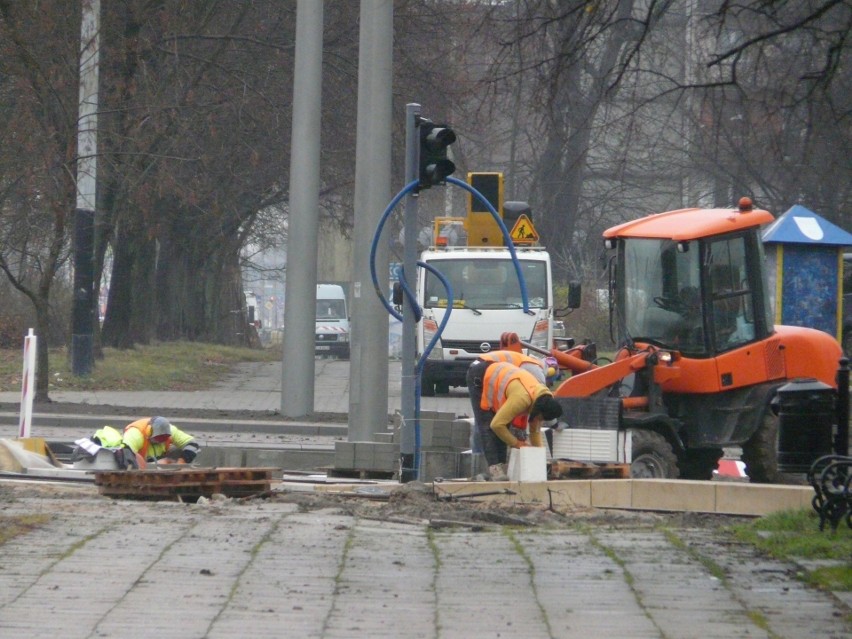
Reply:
x=805, y=255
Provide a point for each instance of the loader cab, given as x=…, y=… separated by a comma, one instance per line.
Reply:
x=701, y=296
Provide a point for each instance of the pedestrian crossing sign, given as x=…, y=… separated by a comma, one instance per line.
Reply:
x=523, y=232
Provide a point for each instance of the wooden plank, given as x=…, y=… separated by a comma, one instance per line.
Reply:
x=188, y=483
x=569, y=469
x=358, y=473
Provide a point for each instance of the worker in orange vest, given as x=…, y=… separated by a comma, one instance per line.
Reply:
x=155, y=438
x=542, y=370
x=510, y=405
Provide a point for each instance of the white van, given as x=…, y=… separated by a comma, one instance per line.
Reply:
x=332, y=322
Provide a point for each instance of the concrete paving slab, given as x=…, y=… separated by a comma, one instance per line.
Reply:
x=103, y=568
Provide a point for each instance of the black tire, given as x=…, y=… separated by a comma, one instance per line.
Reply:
x=427, y=387
x=442, y=388
x=653, y=456
x=699, y=463
x=760, y=452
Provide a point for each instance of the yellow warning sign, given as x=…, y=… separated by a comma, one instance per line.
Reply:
x=524, y=232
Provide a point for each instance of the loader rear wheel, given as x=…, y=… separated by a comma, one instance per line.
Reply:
x=653, y=457
x=760, y=452
x=699, y=463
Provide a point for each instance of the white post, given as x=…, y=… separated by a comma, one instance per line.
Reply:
x=28, y=384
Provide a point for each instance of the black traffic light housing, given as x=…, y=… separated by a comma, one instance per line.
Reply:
x=435, y=166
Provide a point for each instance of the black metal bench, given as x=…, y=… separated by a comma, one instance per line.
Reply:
x=831, y=478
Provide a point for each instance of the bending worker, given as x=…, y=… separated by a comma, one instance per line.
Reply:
x=154, y=438
x=543, y=370
x=509, y=407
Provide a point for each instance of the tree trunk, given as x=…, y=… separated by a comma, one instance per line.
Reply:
x=42, y=309
x=198, y=293
x=131, y=312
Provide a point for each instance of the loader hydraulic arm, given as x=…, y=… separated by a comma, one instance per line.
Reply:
x=601, y=377
x=568, y=360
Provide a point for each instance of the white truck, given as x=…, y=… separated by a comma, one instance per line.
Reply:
x=332, y=322
x=487, y=302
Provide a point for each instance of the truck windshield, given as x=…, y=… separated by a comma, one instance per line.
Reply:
x=330, y=309
x=486, y=284
x=661, y=298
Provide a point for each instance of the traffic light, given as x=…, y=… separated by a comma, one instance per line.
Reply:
x=435, y=166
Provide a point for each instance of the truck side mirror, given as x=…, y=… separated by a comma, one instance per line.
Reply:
x=575, y=293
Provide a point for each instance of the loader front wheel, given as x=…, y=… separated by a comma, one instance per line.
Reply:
x=760, y=452
x=653, y=456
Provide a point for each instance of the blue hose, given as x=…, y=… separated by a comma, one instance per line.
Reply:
x=418, y=312
x=412, y=298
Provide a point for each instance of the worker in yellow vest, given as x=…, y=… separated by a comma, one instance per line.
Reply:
x=510, y=405
x=155, y=438
x=108, y=438
x=145, y=440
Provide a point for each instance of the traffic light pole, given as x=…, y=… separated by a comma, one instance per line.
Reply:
x=408, y=467
x=83, y=318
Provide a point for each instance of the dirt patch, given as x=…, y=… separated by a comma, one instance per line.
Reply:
x=416, y=503
x=413, y=503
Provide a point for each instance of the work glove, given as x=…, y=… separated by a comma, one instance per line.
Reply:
x=126, y=459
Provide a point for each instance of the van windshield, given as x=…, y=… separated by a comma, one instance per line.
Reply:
x=487, y=284
x=331, y=309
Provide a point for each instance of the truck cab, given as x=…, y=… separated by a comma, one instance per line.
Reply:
x=487, y=301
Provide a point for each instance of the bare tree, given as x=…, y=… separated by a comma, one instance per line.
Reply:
x=634, y=107
x=38, y=126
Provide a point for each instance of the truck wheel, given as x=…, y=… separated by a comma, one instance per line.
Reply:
x=760, y=452
x=653, y=457
x=699, y=463
x=427, y=387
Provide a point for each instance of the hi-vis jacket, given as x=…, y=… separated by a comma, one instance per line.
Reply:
x=509, y=392
x=137, y=435
x=524, y=362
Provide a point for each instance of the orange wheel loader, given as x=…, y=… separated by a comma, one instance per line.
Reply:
x=700, y=362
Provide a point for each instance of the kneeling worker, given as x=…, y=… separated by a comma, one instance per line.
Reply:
x=154, y=438
x=509, y=407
